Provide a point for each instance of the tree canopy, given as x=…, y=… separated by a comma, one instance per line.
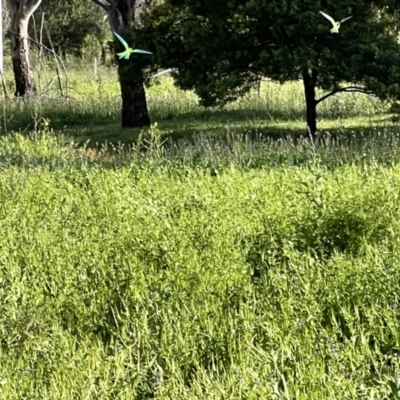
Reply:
x=223, y=47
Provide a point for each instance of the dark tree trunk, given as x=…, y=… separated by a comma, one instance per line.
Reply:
x=23, y=75
x=134, y=104
x=309, y=81
x=121, y=15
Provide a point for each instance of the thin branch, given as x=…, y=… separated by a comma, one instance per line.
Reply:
x=56, y=57
x=114, y=15
x=101, y=3
x=31, y=6
x=58, y=69
x=348, y=89
x=99, y=24
x=165, y=72
x=40, y=54
x=47, y=88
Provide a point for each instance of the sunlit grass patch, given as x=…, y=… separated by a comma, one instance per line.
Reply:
x=217, y=269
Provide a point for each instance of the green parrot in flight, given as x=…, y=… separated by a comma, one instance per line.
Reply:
x=128, y=50
x=336, y=25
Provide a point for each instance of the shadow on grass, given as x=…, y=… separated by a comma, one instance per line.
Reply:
x=251, y=129
x=85, y=126
x=230, y=114
x=96, y=136
x=212, y=148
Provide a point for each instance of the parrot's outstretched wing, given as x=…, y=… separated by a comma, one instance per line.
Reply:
x=141, y=51
x=125, y=54
x=122, y=40
x=328, y=17
x=345, y=19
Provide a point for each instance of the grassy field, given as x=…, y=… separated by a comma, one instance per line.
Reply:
x=92, y=111
x=222, y=267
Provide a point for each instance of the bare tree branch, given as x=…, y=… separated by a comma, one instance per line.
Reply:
x=31, y=6
x=114, y=15
x=347, y=89
x=103, y=4
x=25, y=7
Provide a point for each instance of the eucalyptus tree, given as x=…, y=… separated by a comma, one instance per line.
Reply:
x=20, y=13
x=125, y=17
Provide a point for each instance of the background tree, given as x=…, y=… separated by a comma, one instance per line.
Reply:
x=125, y=17
x=69, y=23
x=223, y=47
x=101, y=34
x=20, y=13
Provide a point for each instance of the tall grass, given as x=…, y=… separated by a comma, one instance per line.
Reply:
x=97, y=102
x=259, y=270
x=223, y=267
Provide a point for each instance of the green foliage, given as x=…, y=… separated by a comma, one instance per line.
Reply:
x=143, y=275
x=70, y=23
x=223, y=50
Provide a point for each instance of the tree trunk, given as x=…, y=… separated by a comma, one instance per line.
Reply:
x=309, y=81
x=134, y=104
x=121, y=14
x=23, y=75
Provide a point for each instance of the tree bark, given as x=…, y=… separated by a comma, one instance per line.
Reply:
x=309, y=81
x=134, y=104
x=23, y=75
